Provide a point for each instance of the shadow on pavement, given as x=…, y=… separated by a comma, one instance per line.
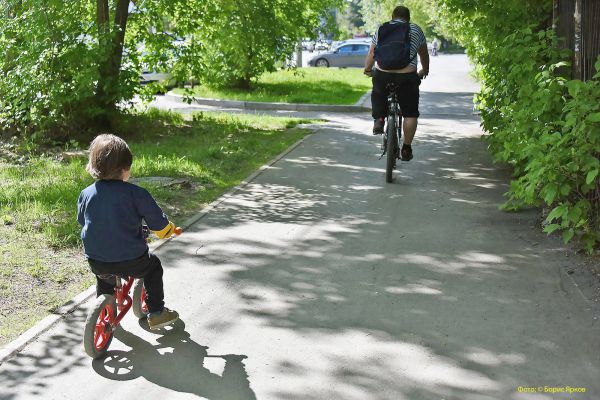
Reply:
x=31, y=373
x=176, y=363
x=454, y=104
x=432, y=276
x=418, y=290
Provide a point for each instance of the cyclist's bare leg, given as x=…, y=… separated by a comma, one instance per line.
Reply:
x=409, y=126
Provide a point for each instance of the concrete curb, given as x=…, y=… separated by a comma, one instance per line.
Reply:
x=363, y=99
x=256, y=105
x=191, y=221
x=13, y=348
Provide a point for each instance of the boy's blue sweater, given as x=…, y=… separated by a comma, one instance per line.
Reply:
x=111, y=213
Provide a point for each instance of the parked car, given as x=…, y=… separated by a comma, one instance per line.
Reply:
x=321, y=45
x=154, y=76
x=346, y=55
x=366, y=40
x=308, y=45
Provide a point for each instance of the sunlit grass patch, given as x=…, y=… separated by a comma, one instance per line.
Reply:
x=304, y=85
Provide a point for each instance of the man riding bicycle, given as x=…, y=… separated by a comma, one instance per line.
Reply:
x=392, y=58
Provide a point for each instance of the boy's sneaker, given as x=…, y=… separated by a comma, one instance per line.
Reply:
x=378, y=126
x=406, y=153
x=166, y=317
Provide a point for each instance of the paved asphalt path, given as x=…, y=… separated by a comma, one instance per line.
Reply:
x=319, y=281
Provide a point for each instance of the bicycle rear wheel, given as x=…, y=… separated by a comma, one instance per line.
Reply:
x=98, y=331
x=392, y=144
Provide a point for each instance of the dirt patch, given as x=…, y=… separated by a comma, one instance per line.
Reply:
x=35, y=279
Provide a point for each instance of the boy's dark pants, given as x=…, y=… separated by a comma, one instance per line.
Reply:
x=147, y=267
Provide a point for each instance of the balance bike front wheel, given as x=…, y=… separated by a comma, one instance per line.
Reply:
x=139, y=306
x=98, y=332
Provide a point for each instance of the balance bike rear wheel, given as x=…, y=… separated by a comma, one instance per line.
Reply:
x=139, y=306
x=98, y=332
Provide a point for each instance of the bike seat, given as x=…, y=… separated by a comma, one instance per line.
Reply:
x=111, y=276
x=392, y=87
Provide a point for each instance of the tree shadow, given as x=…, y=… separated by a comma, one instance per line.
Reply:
x=442, y=293
x=29, y=374
x=420, y=289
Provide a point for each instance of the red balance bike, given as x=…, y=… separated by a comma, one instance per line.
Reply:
x=109, y=310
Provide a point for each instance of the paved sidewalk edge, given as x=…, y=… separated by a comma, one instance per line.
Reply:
x=191, y=221
x=13, y=348
x=363, y=99
x=256, y=105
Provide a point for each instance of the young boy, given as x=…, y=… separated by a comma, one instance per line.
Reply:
x=111, y=211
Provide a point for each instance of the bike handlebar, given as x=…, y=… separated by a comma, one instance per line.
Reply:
x=146, y=231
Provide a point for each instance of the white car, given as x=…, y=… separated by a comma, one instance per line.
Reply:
x=319, y=46
x=308, y=45
x=154, y=76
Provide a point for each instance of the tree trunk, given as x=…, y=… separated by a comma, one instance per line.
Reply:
x=102, y=17
x=299, y=55
x=121, y=15
x=577, y=69
x=111, y=40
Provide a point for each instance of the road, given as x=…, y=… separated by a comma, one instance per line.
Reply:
x=319, y=281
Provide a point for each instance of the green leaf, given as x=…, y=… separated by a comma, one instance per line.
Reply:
x=565, y=190
x=574, y=87
x=568, y=235
x=557, y=212
x=591, y=176
x=551, y=228
x=574, y=214
x=594, y=117
x=550, y=193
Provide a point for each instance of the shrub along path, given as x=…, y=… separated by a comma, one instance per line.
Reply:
x=318, y=271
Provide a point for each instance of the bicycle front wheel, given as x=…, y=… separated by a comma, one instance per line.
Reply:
x=392, y=144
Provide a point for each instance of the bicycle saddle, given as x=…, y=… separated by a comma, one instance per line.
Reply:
x=392, y=87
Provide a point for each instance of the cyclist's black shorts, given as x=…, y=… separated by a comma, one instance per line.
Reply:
x=408, y=93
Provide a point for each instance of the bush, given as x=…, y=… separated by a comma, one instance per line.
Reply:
x=550, y=132
x=546, y=126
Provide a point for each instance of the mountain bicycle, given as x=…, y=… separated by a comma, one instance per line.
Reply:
x=392, y=132
x=109, y=310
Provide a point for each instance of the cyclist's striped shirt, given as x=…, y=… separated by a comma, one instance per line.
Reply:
x=417, y=39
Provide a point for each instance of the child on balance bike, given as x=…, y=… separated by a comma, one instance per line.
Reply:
x=110, y=212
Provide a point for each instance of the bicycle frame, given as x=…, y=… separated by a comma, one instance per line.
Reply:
x=394, y=112
x=123, y=298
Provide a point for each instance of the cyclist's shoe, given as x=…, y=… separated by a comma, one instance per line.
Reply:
x=378, y=126
x=406, y=153
x=166, y=317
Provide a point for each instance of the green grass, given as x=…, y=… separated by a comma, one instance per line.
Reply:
x=305, y=85
x=41, y=263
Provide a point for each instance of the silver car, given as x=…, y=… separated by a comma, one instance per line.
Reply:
x=347, y=55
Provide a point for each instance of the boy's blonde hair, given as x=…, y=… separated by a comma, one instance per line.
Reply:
x=109, y=156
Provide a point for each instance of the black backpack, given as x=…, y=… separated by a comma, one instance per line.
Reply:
x=393, y=46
